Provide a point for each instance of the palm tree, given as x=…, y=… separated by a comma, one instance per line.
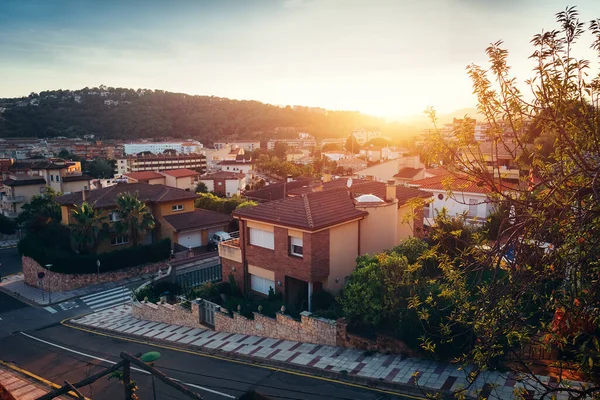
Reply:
x=86, y=228
x=134, y=217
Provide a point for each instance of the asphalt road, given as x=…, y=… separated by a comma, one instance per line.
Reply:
x=11, y=261
x=59, y=353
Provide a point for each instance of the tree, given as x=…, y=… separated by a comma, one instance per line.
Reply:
x=245, y=204
x=40, y=211
x=7, y=225
x=280, y=150
x=201, y=188
x=537, y=286
x=101, y=168
x=352, y=145
x=378, y=142
x=331, y=147
x=86, y=228
x=134, y=217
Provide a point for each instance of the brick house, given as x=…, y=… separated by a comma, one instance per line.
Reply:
x=173, y=210
x=305, y=243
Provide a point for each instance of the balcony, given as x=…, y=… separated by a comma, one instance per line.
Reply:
x=230, y=249
x=13, y=199
x=10, y=214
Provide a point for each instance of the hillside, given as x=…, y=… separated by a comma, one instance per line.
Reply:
x=128, y=114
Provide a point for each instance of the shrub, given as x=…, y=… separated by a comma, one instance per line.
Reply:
x=7, y=225
x=67, y=262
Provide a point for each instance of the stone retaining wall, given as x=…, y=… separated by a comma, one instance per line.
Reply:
x=62, y=282
x=167, y=313
x=308, y=330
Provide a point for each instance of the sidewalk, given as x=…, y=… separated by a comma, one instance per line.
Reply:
x=16, y=287
x=20, y=386
x=4, y=244
x=391, y=371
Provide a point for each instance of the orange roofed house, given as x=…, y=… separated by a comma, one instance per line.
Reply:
x=172, y=208
x=310, y=241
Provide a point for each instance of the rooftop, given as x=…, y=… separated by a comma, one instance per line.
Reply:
x=407, y=172
x=107, y=197
x=311, y=211
x=24, y=181
x=76, y=178
x=180, y=173
x=197, y=218
x=458, y=183
x=223, y=175
x=275, y=191
x=143, y=175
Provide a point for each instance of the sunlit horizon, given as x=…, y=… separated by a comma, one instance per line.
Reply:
x=390, y=59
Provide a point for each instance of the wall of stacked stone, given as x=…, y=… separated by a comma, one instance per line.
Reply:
x=382, y=344
x=167, y=313
x=308, y=330
x=62, y=282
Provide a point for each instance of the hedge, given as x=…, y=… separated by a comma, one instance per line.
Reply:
x=70, y=263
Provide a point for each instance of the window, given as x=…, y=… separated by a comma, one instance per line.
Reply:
x=57, y=178
x=114, y=217
x=295, y=246
x=178, y=207
x=119, y=239
x=262, y=238
x=52, y=178
x=260, y=284
x=473, y=207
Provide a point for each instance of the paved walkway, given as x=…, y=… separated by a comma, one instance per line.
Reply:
x=390, y=368
x=20, y=387
x=4, y=244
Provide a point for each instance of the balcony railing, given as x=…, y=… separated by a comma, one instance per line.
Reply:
x=13, y=199
x=230, y=249
x=10, y=214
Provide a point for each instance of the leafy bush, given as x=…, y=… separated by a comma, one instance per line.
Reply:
x=7, y=225
x=67, y=262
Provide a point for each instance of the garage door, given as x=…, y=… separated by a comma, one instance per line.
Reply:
x=190, y=239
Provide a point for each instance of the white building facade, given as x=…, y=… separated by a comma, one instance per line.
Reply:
x=183, y=147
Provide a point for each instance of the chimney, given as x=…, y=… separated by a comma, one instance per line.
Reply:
x=390, y=190
x=84, y=195
x=326, y=177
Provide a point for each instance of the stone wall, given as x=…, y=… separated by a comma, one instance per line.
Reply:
x=382, y=344
x=62, y=282
x=167, y=313
x=308, y=330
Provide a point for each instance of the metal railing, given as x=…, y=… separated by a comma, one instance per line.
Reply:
x=211, y=273
x=13, y=199
x=10, y=214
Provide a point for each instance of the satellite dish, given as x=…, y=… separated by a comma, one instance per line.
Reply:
x=349, y=183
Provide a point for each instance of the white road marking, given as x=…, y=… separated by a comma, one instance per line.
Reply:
x=133, y=368
x=50, y=310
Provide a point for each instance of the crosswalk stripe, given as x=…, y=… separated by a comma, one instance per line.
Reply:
x=107, y=299
x=100, y=294
x=50, y=310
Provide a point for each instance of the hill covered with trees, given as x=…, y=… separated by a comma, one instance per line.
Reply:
x=119, y=113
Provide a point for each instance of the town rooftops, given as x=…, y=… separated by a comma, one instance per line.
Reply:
x=143, y=175
x=107, y=197
x=459, y=183
x=180, y=173
x=438, y=171
x=407, y=172
x=197, y=218
x=223, y=175
x=276, y=191
x=24, y=181
x=313, y=211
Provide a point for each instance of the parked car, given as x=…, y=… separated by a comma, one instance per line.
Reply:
x=216, y=238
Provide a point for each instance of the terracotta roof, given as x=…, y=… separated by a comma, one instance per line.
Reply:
x=437, y=171
x=275, y=190
x=237, y=162
x=24, y=182
x=458, y=183
x=407, y=172
x=180, y=173
x=223, y=175
x=107, y=197
x=198, y=218
x=143, y=175
x=75, y=178
x=311, y=211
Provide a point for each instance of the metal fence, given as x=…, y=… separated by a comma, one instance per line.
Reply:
x=199, y=276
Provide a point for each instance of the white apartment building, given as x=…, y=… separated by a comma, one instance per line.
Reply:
x=248, y=145
x=303, y=140
x=363, y=136
x=182, y=147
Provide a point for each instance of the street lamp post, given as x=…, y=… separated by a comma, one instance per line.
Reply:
x=98, y=267
x=48, y=266
x=150, y=358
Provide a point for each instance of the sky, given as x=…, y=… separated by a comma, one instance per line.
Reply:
x=390, y=58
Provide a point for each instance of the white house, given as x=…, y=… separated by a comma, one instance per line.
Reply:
x=225, y=183
x=458, y=194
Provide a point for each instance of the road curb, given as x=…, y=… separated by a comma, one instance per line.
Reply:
x=346, y=378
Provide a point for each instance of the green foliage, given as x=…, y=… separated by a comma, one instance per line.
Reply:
x=135, y=218
x=331, y=147
x=100, y=168
x=66, y=262
x=42, y=210
x=278, y=166
x=201, y=188
x=87, y=228
x=212, y=202
x=7, y=225
x=280, y=150
x=378, y=142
